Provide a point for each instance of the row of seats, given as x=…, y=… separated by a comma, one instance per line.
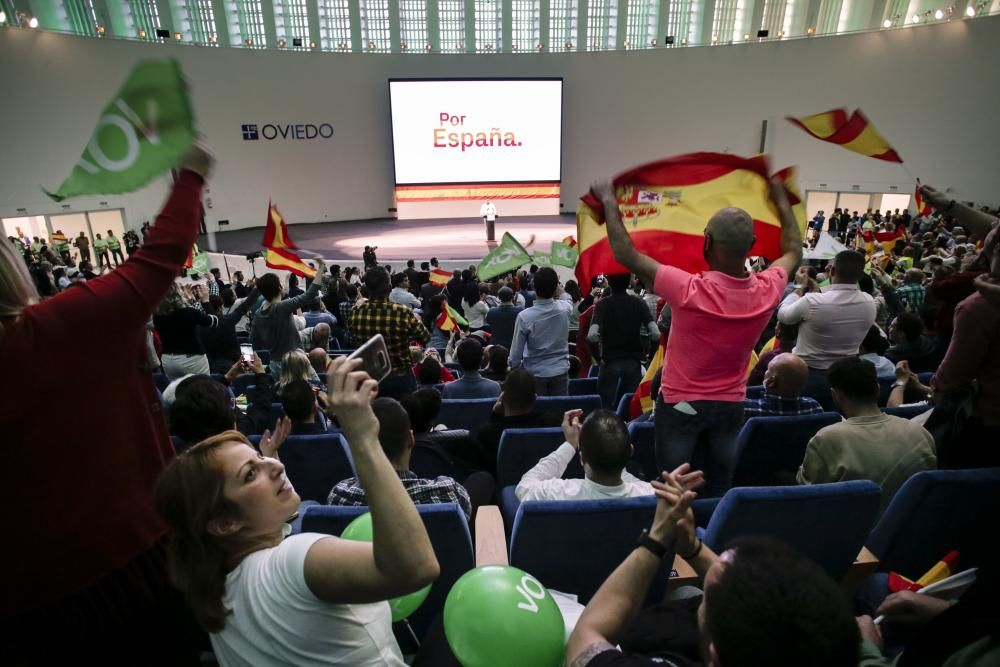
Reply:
x=572, y=546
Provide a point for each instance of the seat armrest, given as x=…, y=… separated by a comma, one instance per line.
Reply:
x=685, y=575
x=865, y=565
x=491, y=540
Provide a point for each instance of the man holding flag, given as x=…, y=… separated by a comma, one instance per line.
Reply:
x=717, y=317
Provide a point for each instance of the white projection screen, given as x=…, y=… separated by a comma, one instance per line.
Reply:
x=476, y=130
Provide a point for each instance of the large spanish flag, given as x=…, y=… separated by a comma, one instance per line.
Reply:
x=855, y=133
x=439, y=276
x=279, y=247
x=666, y=205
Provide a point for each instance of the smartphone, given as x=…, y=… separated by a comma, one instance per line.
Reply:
x=246, y=351
x=374, y=357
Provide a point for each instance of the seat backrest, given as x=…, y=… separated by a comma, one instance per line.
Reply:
x=643, y=438
x=623, y=405
x=315, y=463
x=429, y=463
x=265, y=356
x=161, y=381
x=770, y=445
x=560, y=404
x=468, y=413
x=908, y=411
x=825, y=522
x=448, y=530
x=755, y=391
x=594, y=371
x=582, y=386
x=522, y=448
x=572, y=546
x=277, y=412
x=937, y=511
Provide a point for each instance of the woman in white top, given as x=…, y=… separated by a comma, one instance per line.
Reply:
x=475, y=308
x=871, y=350
x=310, y=599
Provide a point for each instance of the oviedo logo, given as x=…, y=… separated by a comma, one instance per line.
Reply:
x=290, y=132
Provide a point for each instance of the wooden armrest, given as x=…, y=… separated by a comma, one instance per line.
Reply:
x=865, y=565
x=686, y=576
x=491, y=540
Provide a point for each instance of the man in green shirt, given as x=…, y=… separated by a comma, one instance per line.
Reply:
x=115, y=246
x=101, y=250
x=36, y=245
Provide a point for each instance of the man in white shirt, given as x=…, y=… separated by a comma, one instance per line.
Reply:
x=832, y=322
x=489, y=213
x=401, y=292
x=604, y=447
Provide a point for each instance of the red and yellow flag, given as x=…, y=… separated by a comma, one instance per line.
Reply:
x=439, y=277
x=449, y=319
x=278, y=246
x=570, y=241
x=189, y=262
x=855, y=133
x=943, y=569
x=888, y=239
x=918, y=200
x=642, y=399
x=666, y=205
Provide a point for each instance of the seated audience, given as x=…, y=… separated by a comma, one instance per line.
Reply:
x=396, y=438
x=870, y=444
x=319, y=359
x=265, y=597
x=495, y=363
x=514, y=409
x=603, y=445
x=763, y=604
x=784, y=382
x=910, y=344
x=871, y=350
x=301, y=403
x=401, y=293
x=295, y=365
x=471, y=384
x=784, y=339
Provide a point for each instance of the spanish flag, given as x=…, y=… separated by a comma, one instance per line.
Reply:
x=888, y=239
x=449, y=319
x=439, y=277
x=278, y=246
x=665, y=206
x=642, y=399
x=570, y=241
x=189, y=262
x=855, y=133
x=943, y=569
x=918, y=200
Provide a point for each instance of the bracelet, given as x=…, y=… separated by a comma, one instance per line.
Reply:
x=696, y=551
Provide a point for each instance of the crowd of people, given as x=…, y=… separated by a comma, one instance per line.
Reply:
x=165, y=539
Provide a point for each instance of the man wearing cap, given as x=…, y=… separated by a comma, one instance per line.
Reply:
x=716, y=317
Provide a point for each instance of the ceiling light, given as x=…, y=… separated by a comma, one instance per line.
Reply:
x=402, y=46
x=914, y=19
x=248, y=41
x=177, y=36
x=312, y=44
x=810, y=30
x=781, y=33
x=887, y=23
x=281, y=43
x=142, y=32
x=212, y=39
x=684, y=41
x=939, y=15
x=100, y=28
x=32, y=22
x=970, y=11
x=652, y=43
x=3, y=17
x=428, y=47
x=746, y=35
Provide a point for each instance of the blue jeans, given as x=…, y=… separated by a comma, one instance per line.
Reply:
x=714, y=426
x=558, y=385
x=626, y=371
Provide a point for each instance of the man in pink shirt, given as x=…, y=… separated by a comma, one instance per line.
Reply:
x=717, y=317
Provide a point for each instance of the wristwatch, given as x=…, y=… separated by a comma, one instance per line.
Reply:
x=648, y=542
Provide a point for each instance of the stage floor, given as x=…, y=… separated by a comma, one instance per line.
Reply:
x=453, y=239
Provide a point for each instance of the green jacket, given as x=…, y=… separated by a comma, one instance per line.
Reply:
x=114, y=243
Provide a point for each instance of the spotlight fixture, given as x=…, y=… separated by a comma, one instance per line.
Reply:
x=513, y=47
x=810, y=30
x=746, y=36
x=428, y=48
x=541, y=46
x=939, y=15
x=887, y=23
x=142, y=33
x=402, y=46
x=161, y=33
x=781, y=33
x=3, y=17
x=281, y=43
x=177, y=36
x=914, y=19
x=213, y=39
x=762, y=34
x=569, y=45
x=341, y=45
x=652, y=42
x=371, y=45
x=668, y=40
x=100, y=28
x=248, y=41
x=312, y=44
x=715, y=39
x=970, y=11
x=32, y=22
x=684, y=41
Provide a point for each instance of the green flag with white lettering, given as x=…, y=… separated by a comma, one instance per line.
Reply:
x=564, y=255
x=142, y=132
x=541, y=259
x=507, y=256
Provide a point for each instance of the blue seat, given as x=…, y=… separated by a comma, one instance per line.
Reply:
x=643, y=438
x=560, y=404
x=242, y=383
x=519, y=451
x=925, y=378
x=937, y=511
x=161, y=381
x=623, y=405
x=448, y=530
x=594, y=371
x=755, y=391
x=277, y=412
x=572, y=546
x=582, y=386
x=908, y=411
x=825, y=522
x=467, y=413
x=768, y=446
x=315, y=463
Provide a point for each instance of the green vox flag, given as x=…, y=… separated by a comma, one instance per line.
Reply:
x=141, y=133
x=199, y=264
x=507, y=256
x=564, y=255
x=542, y=259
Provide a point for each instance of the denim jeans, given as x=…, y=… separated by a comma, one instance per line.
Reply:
x=714, y=427
x=557, y=385
x=626, y=371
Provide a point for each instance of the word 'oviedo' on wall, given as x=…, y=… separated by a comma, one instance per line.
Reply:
x=289, y=131
x=465, y=140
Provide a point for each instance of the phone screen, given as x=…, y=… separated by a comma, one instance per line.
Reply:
x=246, y=351
x=374, y=357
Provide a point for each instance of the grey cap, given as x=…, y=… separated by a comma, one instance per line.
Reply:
x=733, y=228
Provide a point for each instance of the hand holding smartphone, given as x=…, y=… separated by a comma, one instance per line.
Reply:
x=374, y=357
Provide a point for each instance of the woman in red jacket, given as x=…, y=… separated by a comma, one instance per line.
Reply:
x=83, y=561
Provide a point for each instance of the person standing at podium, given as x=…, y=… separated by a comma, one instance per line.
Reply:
x=489, y=213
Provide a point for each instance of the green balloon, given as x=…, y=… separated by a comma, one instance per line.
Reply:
x=498, y=615
x=360, y=530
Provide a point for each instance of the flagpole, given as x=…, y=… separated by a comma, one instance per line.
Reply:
x=906, y=169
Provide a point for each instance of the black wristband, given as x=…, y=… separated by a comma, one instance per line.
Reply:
x=696, y=551
x=652, y=545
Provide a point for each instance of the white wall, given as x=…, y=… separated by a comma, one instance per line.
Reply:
x=931, y=90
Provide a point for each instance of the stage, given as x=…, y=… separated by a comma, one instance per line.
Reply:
x=400, y=240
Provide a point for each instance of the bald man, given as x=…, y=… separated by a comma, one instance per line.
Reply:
x=784, y=381
x=717, y=317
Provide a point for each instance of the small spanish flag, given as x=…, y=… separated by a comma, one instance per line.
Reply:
x=855, y=133
x=918, y=200
x=189, y=262
x=439, y=277
x=642, y=399
x=943, y=569
x=278, y=246
x=570, y=241
x=449, y=319
x=58, y=237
